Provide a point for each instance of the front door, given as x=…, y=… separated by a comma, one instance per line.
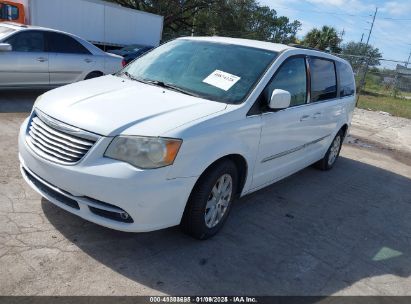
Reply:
x=288, y=135
x=27, y=65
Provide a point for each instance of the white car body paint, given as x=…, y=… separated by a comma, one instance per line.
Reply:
x=273, y=144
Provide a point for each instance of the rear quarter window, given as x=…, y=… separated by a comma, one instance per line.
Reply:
x=323, y=79
x=346, y=78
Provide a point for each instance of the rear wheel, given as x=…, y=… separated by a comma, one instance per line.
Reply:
x=332, y=154
x=93, y=75
x=210, y=201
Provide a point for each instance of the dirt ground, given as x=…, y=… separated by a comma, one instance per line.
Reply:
x=342, y=232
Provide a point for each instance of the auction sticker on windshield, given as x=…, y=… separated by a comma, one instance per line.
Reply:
x=222, y=80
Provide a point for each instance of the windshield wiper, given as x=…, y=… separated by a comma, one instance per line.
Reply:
x=129, y=76
x=169, y=86
x=160, y=84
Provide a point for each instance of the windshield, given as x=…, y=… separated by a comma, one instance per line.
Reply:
x=4, y=31
x=215, y=71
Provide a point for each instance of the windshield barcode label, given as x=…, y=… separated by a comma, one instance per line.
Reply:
x=222, y=80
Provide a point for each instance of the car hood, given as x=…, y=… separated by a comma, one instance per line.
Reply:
x=112, y=105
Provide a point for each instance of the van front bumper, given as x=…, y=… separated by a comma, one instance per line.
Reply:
x=107, y=192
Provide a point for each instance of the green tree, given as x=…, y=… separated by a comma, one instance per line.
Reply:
x=357, y=53
x=323, y=39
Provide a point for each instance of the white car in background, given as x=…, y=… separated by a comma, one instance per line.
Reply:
x=35, y=57
x=182, y=131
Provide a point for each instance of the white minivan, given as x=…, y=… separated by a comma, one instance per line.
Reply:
x=184, y=130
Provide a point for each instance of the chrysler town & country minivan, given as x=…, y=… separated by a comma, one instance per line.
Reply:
x=184, y=130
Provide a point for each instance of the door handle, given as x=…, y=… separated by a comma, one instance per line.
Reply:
x=88, y=60
x=304, y=117
x=42, y=59
x=317, y=115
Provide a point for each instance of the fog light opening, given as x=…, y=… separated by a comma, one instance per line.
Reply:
x=124, y=215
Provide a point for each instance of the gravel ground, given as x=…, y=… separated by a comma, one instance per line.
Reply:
x=344, y=232
x=381, y=132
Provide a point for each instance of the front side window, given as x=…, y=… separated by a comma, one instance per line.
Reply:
x=60, y=43
x=9, y=12
x=323, y=79
x=27, y=41
x=291, y=77
x=215, y=71
x=346, y=76
x=13, y=12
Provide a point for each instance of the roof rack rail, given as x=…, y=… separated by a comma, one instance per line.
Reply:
x=299, y=46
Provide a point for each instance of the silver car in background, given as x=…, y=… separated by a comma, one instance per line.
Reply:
x=35, y=57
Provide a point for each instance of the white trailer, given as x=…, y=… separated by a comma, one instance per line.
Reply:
x=97, y=21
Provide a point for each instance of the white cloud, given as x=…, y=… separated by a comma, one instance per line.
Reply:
x=397, y=8
x=305, y=28
x=344, y=5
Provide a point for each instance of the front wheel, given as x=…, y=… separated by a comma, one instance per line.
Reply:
x=332, y=154
x=210, y=201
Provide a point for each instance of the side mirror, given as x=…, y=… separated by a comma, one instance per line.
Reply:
x=5, y=47
x=280, y=99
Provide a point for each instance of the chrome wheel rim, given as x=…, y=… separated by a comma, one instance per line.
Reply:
x=218, y=201
x=335, y=149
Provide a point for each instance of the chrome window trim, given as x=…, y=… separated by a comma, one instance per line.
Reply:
x=300, y=106
x=308, y=67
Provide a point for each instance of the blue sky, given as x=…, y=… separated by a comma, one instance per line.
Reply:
x=391, y=34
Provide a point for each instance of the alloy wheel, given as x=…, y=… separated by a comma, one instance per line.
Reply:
x=218, y=201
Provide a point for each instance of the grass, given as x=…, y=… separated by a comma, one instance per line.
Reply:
x=395, y=106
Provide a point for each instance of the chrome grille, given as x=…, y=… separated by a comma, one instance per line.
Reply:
x=45, y=138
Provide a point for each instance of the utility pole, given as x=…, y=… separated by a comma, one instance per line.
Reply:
x=342, y=34
x=341, y=37
x=368, y=59
x=362, y=37
x=372, y=25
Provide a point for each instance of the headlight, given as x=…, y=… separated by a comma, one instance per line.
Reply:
x=144, y=152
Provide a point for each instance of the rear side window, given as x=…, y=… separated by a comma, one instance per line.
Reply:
x=291, y=77
x=27, y=41
x=346, y=77
x=60, y=43
x=323, y=79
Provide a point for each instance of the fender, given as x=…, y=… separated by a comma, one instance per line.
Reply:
x=214, y=139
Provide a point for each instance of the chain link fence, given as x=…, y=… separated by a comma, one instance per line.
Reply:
x=385, y=88
x=391, y=78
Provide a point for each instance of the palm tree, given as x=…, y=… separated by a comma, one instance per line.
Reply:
x=325, y=39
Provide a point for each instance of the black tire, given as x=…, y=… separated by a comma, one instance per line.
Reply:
x=194, y=218
x=325, y=163
x=93, y=75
